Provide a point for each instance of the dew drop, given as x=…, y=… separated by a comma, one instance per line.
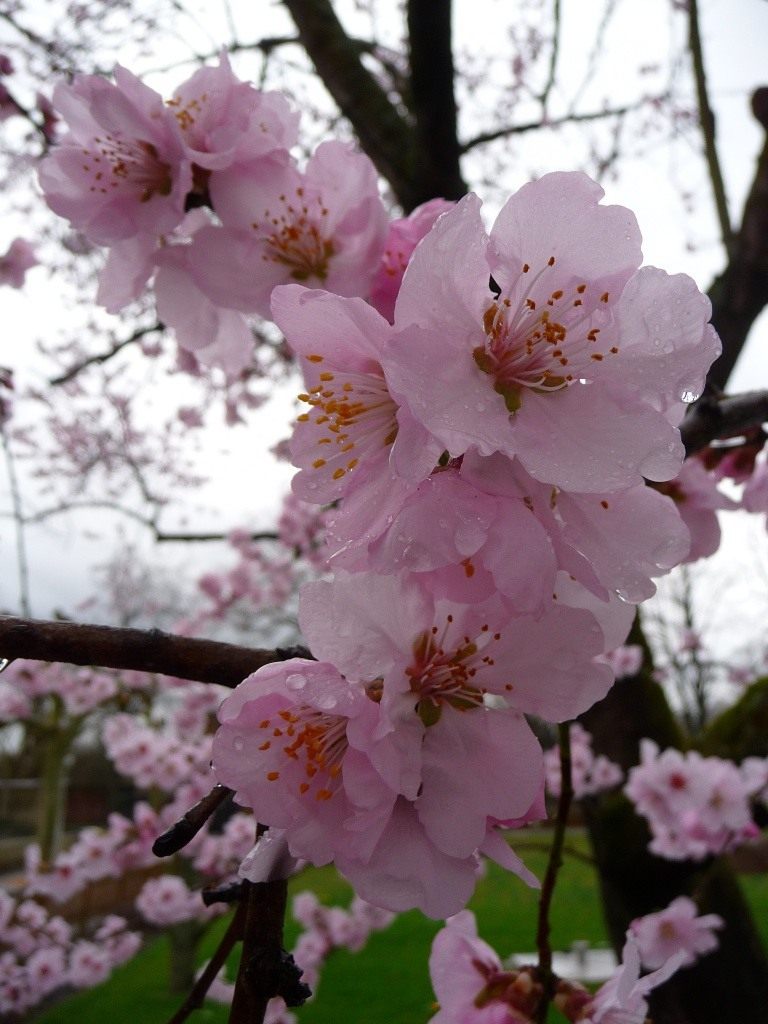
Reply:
x=238, y=743
x=326, y=703
x=4, y=663
x=295, y=681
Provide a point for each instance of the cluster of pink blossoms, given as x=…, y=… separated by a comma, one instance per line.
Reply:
x=695, y=806
x=486, y=452
x=482, y=410
x=40, y=953
x=201, y=197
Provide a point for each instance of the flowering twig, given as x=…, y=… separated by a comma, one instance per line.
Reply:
x=203, y=661
x=555, y=862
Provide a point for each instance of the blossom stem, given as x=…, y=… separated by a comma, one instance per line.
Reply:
x=555, y=862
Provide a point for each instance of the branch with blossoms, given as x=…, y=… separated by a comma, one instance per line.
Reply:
x=482, y=411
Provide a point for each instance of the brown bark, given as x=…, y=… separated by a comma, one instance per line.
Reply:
x=204, y=661
x=418, y=153
x=740, y=293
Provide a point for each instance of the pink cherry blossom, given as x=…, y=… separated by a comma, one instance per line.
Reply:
x=353, y=426
x=285, y=746
x=697, y=499
x=559, y=367
x=324, y=227
x=695, y=806
x=589, y=774
x=626, y=660
x=168, y=900
x=121, y=171
x=215, y=335
x=14, y=264
x=675, y=929
x=470, y=983
x=621, y=1000
x=402, y=238
x=224, y=120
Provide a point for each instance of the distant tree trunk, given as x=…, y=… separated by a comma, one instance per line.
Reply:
x=729, y=985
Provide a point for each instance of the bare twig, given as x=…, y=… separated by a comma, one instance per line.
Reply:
x=553, y=55
x=555, y=122
x=707, y=122
x=103, y=357
x=186, y=828
x=204, y=661
x=555, y=862
x=194, y=1000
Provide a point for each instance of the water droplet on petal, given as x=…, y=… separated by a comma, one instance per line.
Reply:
x=4, y=663
x=326, y=703
x=295, y=681
x=238, y=743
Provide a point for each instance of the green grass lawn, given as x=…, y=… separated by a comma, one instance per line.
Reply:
x=387, y=982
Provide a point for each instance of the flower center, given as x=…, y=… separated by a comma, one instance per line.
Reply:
x=354, y=413
x=316, y=740
x=134, y=163
x=544, y=344
x=295, y=238
x=443, y=673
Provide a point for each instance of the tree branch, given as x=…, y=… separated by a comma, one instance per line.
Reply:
x=555, y=122
x=203, y=661
x=103, y=357
x=740, y=293
x=438, y=172
x=258, y=977
x=707, y=122
x=554, y=864
x=384, y=135
x=711, y=419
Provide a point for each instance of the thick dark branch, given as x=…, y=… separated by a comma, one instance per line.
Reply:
x=555, y=122
x=740, y=293
x=712, y=419
x=383, y=133
x=103, y=357
x=258, y=978
x=433, y=101
x=203, y=661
